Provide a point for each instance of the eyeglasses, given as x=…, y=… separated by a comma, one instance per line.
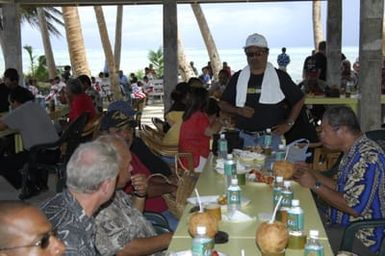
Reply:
x=257, y=54
x=43, y=243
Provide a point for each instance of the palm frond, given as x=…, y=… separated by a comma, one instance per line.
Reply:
x=29, y=14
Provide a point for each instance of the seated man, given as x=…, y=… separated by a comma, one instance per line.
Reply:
x=35, y=127
x=121, y=229
x=24, y=230
x=115, y=122
x=91, y=178
x=357, y=193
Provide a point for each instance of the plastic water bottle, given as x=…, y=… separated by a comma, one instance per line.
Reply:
x=281, y=153
x=222, y=147
x=230, y=170
x=233, y=198
x=268, y=142
x=295, y=225
x=313, y=247
x=202, y=245
x=287, y=196
x=277, y=189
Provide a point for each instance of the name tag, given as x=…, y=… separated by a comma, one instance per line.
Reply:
x=253, y=91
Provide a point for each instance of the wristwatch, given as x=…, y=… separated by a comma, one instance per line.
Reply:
x=290, y=123
x=317, y=185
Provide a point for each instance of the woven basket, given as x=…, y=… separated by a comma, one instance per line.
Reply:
x=187, y=179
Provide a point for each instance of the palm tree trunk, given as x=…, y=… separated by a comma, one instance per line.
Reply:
x=75, y=41
x=47, y=44
x=184, y=66
x=118, y=35
x=208, y=39
x=108, y=52
x=383, y=37
x=317, y=24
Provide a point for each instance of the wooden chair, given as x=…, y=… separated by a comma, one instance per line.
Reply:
x=153, y=139
x=324, y=159
x=187, y=180
x=138, y=105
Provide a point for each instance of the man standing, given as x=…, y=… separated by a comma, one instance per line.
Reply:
x=261, y=97
x=90, y=91
x=283, y=60
x=24, y=230
x=91, y=179
x=321, y=60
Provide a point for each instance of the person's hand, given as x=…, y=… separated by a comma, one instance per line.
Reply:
x=139, y=182
x=303, y=175
x=281, y=129
x=246, y=111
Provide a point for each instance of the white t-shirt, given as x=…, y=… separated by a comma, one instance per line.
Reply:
x=33, y=123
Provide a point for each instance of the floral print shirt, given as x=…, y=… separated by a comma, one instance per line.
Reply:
x=361, y=179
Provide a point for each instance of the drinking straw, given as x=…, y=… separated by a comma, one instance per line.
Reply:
x=242, y=252
x=276, y=209
x=199, y=200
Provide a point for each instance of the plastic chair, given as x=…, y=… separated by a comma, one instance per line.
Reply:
x=350, y=231
x=156, y=219
x=378, y=136
x=161, y=229
x=68, y=142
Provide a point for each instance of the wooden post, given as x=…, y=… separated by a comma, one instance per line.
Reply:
x=170, y=46
x=369, y=83
x=11, y=38
x=333, y=46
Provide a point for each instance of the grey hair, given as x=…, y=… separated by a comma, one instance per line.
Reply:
x=112, y=140
x=342, y=116
x=91, y=164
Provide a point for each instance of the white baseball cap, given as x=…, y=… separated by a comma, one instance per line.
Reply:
x=256, y=40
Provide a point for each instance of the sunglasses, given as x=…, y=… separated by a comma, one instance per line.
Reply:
x=43, y=243
x=256, y=54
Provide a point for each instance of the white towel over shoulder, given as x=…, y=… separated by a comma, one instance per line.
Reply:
x=271, y=92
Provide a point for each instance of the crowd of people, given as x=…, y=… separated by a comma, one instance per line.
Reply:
x=111, y=181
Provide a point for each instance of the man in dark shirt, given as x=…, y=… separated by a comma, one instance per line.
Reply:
x=320, y=60
x=261, y=96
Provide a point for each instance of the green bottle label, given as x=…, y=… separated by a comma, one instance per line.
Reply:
x=295, y=221
x=314, y=251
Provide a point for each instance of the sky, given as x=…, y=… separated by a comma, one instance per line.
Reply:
x=283, y=24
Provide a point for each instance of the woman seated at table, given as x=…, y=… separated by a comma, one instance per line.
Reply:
x=174, y=115
x=358, y=192
x=197, y=128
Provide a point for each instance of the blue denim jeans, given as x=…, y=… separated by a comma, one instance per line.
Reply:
x=256, y=140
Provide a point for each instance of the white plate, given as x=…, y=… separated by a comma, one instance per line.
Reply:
x=188, y=253
x=244, y=202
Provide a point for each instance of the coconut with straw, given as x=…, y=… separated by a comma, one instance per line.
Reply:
x=202, y=218
x=272, y=236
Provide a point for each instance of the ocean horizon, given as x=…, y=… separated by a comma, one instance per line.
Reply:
x=134, y=60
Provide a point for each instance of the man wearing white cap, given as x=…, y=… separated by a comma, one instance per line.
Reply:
x=261, y=96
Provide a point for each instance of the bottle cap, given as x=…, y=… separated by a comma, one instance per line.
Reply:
x=201, y=230
x=314, y=233
x=279, y=179
x=268, y=130
x=234, y=181
x=295, y=202
x=281, y=147
x=222, y=136
x=287, y=183
x=229, y=156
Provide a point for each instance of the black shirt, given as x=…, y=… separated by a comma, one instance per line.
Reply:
x=4, y=93
x=265, y=115
x=321, y=64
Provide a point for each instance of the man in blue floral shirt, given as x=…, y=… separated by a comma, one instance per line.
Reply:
x=358, y=193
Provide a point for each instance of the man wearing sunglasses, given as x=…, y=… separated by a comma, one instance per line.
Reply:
x=24, y=230
x=261, y=96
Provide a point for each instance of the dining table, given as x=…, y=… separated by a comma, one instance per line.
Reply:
x=351, y=101
x=258, y=205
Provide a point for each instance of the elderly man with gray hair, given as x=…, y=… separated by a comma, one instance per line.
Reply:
x=91, y=179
